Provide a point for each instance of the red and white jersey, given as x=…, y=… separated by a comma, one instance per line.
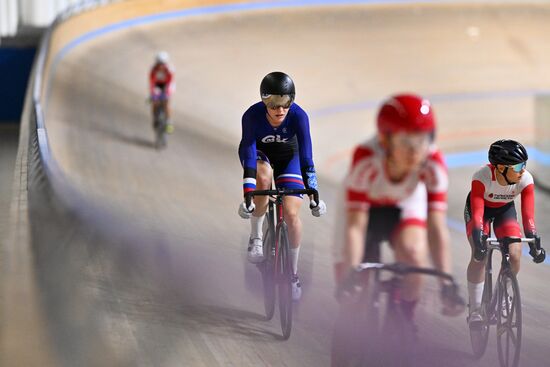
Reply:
x=496, y=195
x=368, y=185
x=487, y=192
x=162, y=74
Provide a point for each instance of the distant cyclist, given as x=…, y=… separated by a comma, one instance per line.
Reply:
x=276, y=142
x=162, y=85
x=396, y=191
x=491, y=200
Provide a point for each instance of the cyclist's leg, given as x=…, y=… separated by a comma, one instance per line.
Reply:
x=411, y=247
x=264, y=175
x=410, y=242
x=289, y=176
x=292, y=218
x=263, y=182
x=166, y=106
x=506, y=225
x=475, y=273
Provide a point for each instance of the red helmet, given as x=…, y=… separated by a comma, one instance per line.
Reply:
x=406, y=112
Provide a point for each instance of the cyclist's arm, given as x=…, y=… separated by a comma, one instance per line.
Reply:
x=152, y=81
x=357, y=207
x=305, y=149
x=439, y=240
x=355, y=231
x=437, y=184
x=477, y=203
x=170, y=82
x=528, y=209
x=247, y=154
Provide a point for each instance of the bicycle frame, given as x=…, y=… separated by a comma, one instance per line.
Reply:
x=387, y=325
x=498, y=307
x=503, y=246
x=276, y=270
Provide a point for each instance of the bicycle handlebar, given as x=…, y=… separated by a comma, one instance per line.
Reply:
x=508, y=240
x=403, y=269
x=281, y=192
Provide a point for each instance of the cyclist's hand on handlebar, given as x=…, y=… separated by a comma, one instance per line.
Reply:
x=480, y=247
x=318, y=209
x=536, y=251
x=453, y=303
x=245, y=212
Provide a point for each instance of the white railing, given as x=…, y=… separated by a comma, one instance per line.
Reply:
x=48, y=164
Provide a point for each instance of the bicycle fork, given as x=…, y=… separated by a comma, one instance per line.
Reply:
x=278, y=228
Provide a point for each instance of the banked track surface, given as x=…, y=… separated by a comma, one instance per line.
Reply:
x=172, y=287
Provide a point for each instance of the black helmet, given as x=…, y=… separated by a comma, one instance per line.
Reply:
x=507, y=152
x=277, y=83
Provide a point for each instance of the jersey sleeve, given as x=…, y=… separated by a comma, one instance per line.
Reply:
x=527, y=187
x=477, y=202
x=436, y=178
x=247, y=153
x=305, y=149
x=358, y=179
x=170, y=81
x=152, y=81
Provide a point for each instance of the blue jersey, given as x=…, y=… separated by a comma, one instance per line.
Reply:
x=283, y=142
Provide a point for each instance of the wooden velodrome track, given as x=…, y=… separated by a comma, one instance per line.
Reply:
x=478, y=62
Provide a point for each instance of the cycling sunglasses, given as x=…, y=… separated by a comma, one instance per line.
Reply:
x=416, y=142
x=273, y=101
x=518, y=167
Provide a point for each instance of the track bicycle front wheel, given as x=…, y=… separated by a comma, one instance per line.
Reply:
x=508, y=319
x=160, y=129
x=398, y=336
x=268, y=266
x=284, y=279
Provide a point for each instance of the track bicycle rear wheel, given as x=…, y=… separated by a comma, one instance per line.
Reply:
x=284, y=278
x=160, y=128
x=267, y=267
x=508, y=319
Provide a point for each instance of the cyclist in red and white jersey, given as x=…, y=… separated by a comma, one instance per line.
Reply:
x=161, y=85
x=396, y=191
x=491, y=200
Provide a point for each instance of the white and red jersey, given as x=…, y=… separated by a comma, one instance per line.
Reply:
x=368, y=184
x=487, y=192
x=161, y=75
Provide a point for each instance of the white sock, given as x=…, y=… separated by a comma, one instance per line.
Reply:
x=294, y=254
x=256, y=226
x=475, y=293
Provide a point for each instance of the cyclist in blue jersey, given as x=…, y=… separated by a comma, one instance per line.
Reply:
x=276, y=143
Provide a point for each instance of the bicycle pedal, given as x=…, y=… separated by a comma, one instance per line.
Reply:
x=477, y=326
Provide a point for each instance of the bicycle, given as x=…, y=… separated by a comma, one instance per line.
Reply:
x=160, y=119
x=373, y=330
x=276, y=269
x=501, y=306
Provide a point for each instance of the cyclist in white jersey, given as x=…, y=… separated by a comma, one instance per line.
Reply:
x=491, y=200
x=396, y=191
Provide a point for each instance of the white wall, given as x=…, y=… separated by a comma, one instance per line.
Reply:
x=34, y=13
x=8, y=17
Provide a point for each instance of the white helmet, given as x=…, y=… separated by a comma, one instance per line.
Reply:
x=162, y=57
